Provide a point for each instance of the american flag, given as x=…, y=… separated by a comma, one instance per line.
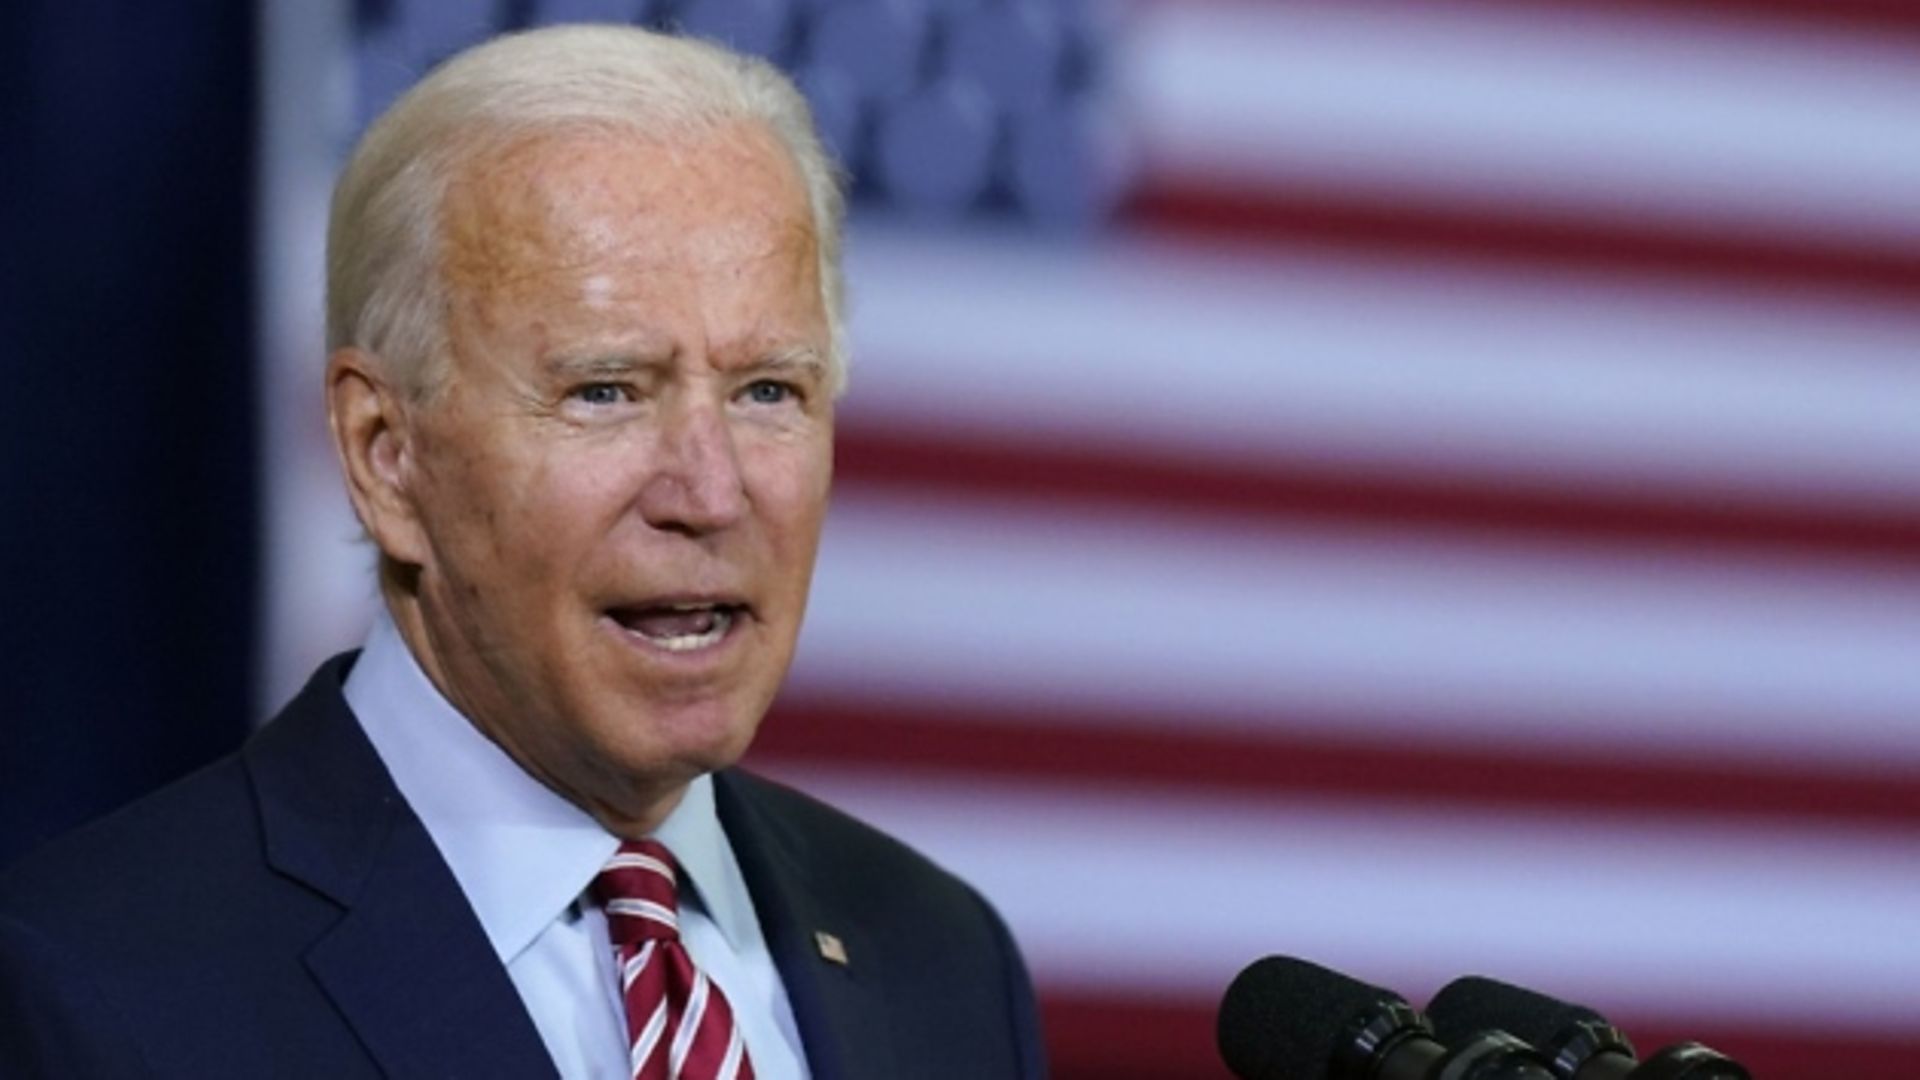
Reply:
x=1448, y=502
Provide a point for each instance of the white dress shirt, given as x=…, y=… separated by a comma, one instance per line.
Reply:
x=524, y=856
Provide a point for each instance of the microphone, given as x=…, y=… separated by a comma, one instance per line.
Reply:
x=1578, y=1043
x=1287, y=1019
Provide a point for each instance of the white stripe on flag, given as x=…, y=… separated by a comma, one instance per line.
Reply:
x=1635, y=117
x=1368, y=632
x=1694, y=923
x=1636, y=388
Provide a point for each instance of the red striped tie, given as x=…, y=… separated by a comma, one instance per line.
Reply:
x=679, y=1025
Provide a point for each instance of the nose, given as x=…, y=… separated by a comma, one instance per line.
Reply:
x=696, y=486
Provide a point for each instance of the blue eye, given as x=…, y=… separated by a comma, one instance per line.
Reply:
x=600, y=394
x=768, y=392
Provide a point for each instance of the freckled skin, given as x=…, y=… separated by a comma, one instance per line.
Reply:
x=540, y=503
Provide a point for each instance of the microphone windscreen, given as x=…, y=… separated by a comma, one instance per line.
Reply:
x=1282, y=1018
x=1466, y=1007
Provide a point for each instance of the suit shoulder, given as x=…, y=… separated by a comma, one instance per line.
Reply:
x=204, y=831
x=806, y=813
x=835, y=838
x=956, y=979
x=870, y=875
x=162, y=837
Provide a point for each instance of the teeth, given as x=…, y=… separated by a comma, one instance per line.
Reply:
x=722, y=620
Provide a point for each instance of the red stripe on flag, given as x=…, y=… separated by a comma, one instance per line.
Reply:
x=1882, y=16
x=1885, y=16
x=1269, y=214
x=1096, y=1037
x=1050, y=746
x=1119, y=1038
x=869, y=453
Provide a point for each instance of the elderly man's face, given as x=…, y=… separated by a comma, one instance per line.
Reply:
x=621, y=485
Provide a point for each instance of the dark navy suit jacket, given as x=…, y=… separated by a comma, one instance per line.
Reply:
x=284, y=913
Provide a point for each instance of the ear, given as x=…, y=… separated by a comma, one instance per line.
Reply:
x=372, y=434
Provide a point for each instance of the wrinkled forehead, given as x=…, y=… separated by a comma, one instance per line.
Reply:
x=538, y=203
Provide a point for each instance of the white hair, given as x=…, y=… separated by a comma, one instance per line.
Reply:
x=384, y=288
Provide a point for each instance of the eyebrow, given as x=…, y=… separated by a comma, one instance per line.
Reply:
x=802, y=359
x=599, y=365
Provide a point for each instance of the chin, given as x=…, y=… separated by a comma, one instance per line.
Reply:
x=687, y=740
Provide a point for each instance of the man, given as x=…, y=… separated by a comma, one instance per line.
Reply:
x=585, y=349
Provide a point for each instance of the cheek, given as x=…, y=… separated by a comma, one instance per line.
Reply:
x=568, y=509
x=458, y=501
x=517, y=519
x=789, y=482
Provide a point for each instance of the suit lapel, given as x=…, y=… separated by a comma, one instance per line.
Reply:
x=413, y=973
x=834, y=1003
x=407, y=965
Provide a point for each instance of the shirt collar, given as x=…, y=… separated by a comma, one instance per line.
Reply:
x=693, y=833
x=521, y=852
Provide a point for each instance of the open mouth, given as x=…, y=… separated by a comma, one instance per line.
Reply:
x=680, y=627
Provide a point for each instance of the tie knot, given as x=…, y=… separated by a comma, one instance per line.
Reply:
x=638, y=890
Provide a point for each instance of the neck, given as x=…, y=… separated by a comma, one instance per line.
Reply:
x=635, y=811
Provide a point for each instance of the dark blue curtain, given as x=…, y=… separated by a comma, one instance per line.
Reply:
x=127, y=504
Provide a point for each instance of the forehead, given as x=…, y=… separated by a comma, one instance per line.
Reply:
x=563, y=200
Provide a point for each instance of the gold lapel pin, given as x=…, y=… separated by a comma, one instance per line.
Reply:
x=832, y=949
